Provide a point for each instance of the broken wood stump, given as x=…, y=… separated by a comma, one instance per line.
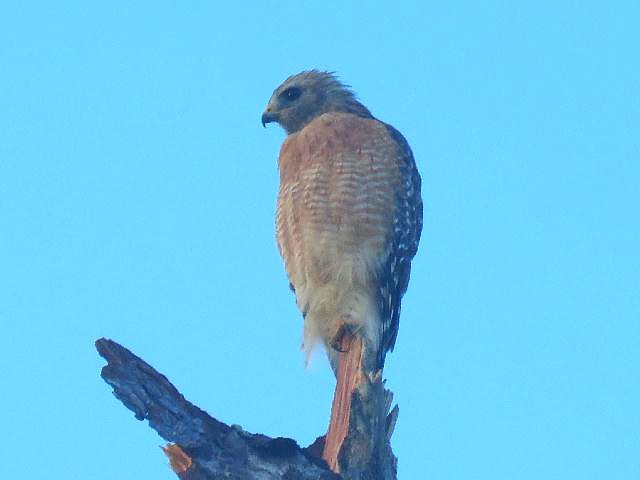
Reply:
x=203, y=448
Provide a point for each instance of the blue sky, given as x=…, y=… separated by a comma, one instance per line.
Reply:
x=137, y=195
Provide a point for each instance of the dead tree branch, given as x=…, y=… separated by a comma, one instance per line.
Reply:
x=204, y=448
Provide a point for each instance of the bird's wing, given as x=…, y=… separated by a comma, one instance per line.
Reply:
x=402, y=244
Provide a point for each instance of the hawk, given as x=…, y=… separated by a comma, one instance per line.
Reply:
x=349, y=213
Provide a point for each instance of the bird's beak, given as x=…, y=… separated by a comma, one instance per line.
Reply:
x=268, y=117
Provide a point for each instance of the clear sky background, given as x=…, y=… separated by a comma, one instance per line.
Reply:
x=137, y=196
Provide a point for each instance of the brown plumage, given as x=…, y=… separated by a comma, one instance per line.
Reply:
x=349, y=213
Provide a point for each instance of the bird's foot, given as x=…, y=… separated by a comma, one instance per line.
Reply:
x=343, y=338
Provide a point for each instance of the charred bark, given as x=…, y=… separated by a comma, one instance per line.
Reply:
x=203, y=448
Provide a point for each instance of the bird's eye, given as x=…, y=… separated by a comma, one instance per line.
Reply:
x=291, y=93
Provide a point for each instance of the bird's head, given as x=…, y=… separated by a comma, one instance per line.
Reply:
x=307, y=95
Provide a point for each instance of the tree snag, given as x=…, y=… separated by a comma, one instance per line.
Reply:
x=204, y=448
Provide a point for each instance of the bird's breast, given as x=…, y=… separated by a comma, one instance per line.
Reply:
x=336, y=199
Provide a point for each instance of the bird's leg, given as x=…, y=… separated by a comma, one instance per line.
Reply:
x=343, y=338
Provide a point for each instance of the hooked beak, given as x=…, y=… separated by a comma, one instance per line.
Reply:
x=268, y=117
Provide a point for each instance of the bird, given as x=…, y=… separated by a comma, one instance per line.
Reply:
x=349, y=214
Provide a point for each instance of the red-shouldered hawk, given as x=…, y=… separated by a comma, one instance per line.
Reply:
x=349, y=213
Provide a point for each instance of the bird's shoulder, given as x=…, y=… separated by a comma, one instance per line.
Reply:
x=335, y=133
x=345, y=128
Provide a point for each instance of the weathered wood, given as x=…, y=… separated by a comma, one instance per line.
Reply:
x=358, y=439
x=204, y=448
x=348, y=377
x=366, y=451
